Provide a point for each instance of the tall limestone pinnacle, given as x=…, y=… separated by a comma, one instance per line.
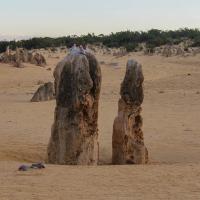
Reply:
x=74, y=136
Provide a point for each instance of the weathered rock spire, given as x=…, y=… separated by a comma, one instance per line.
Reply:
x=74, y=137
x=127, y=141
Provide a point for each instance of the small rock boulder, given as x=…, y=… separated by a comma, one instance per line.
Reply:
x=37, y=59
x=45, y=92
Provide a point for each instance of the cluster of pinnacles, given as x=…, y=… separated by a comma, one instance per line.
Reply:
x=74, y=136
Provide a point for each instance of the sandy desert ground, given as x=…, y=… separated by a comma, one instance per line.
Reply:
x=171, y=113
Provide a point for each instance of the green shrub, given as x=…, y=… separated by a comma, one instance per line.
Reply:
x=127, y=39
x=131, y=47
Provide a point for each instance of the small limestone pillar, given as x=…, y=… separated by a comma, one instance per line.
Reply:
x=127, y=140
x=17, y=63
x=7, y=51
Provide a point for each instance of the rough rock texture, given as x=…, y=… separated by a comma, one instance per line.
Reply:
x=127, y=141
x=167, y=51
x=74, y=136
x=7, y=57
x=25, y=56
x=180, y=51
x=22, y=56
x=18, y=58
x=120, y=52
x=37, y=59
x=57, y=72
x=44, y=93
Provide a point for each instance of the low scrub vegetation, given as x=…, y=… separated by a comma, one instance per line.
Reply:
x=128, y=39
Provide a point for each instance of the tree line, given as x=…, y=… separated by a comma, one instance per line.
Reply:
x=127, y=39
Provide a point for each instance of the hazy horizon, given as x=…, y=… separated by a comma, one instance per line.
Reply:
x=52, y=18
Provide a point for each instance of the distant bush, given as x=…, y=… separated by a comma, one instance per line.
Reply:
x=151, y=47
x=196, y=42
x=131, y=47
x=3, y=46
x=127, y=39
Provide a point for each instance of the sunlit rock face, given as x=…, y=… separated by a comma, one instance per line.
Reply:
x=74, y=136
x=127, y=140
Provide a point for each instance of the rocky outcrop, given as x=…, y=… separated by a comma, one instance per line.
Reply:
x=127, y=140
x=120, y=52
x=180, y=51
x=45, y=92
x=37, y=59
x=22, y=56
x=167, y=51
x=74, y=136
x=7, y=57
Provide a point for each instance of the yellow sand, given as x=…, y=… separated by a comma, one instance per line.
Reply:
x=171, y=113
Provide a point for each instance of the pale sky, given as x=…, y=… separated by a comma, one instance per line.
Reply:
x=63, y=17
